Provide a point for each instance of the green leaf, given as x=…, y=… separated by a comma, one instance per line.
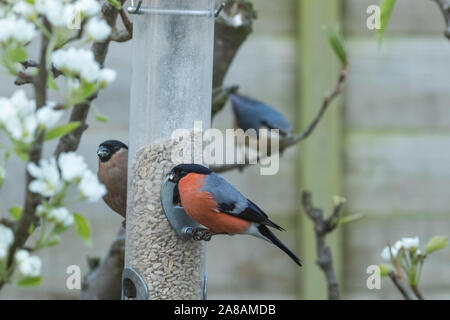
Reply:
x=337, y=43
x=15, y=212
x=116, y=4
x=436, y=243
x=51, y=83
x=30, y=282
x=61, y=130
x=384, y=269
x=17, y=54
x=386, y=8
x=87, y=89
x=349, y=219
x=21, y=150
x=101, y=118
x=82, y=228
x=55, y=240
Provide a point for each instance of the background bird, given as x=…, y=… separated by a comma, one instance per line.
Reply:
x=112, y=172
x=214, y=203
x=253, y=114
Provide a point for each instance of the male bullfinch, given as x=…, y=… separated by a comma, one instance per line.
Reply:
x=214, y=203
x=112, y=172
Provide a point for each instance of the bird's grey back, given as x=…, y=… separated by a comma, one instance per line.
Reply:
x=254, y=114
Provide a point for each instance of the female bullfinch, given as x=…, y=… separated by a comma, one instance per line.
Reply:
x=112, y=172
x=214, y=203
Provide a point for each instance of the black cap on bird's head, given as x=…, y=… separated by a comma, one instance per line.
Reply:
x=184, y=169
x=106, y=149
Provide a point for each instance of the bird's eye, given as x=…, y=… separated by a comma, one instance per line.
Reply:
x=116, y=148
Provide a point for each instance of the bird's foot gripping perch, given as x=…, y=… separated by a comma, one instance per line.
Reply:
x=199, y=234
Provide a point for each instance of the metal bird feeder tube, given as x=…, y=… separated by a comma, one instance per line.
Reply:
x=171, y=88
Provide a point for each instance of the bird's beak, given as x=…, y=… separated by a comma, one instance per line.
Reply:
x=102, y=152
x=171, y=176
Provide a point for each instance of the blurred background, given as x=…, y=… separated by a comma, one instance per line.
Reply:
x=385, y=146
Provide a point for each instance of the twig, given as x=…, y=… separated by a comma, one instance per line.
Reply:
x=322, y=227
x=126, y=22
x=444, y=5
x=24, y=78
x=7, y=223
x=75, y=37
x=400, y=285
x=417, y=292
x=291, y=141
x=120, y=36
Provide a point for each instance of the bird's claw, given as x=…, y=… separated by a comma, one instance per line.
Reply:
x=199, y=234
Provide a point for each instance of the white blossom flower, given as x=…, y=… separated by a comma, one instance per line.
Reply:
x=6, y=239
x=61, y=216
x=9, y=118
x=79, y=61
x=41, y=211
x=9, y=26
x=98, y=29
x=47, y=181
x=410, y=243
x=90, y=187
x=17, y=115
x=23, y=106
x=88, y=7
x=28, y=266
x=48, y=116
x=72, y=165
x=57, y=12
x=107, y=76
x=23, y=8
x=385, y=255
x=21, y=255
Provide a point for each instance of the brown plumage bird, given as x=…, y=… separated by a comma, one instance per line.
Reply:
x=112, y=172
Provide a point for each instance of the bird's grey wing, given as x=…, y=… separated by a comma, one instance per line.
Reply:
x=231, y=201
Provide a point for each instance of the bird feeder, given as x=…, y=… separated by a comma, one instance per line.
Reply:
x=171, y=88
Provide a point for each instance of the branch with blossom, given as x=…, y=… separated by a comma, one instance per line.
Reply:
x=407, y=261
x=52, y=185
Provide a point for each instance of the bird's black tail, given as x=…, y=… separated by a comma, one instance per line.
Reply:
x=269, y=235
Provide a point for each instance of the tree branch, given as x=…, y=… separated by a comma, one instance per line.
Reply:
x=444, y=5
x=417, y=292
x=231, y=29
x=322, y=228
x=104, y=281
x=32, y=200
x=291, y=141
x=126, y=22
x=400, y=285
